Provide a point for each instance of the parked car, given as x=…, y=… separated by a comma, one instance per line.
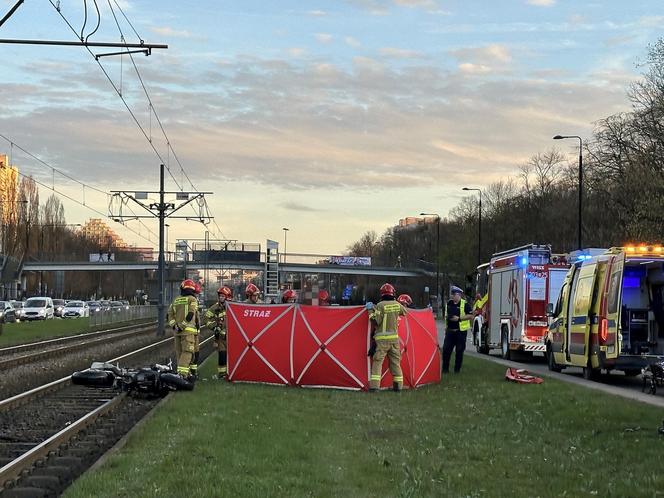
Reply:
x=58, y=306
x=116, y=306
x=18, y=309
x=7, y=314
x=105, y=305
x=38, y=308
x=94, y=306
x=76, y=309
x=125, y=304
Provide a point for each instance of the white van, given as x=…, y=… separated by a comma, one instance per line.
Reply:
x=37, y=308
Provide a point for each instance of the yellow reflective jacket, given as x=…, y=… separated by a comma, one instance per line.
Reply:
x=215, y=317
x=386, y=315
x=178, y=311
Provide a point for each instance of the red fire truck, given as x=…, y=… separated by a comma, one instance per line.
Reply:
x=514, y=289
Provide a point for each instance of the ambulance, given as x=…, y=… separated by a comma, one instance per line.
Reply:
x=517, y=285
x=610, y=312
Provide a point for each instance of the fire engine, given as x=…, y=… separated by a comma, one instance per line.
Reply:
x=610, y=313
x=517, y=285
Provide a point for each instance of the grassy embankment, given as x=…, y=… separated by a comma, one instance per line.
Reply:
x=472, y=435
x=24, y=332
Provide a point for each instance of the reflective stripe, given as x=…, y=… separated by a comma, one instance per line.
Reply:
x=381, y=337
x=190, y=330
x=171, y=322
x=183, y=370
x=463, y=324
x=375, y=377
x=221, y=369
x=398, y=378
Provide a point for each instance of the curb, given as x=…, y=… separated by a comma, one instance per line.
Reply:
x=648, y=399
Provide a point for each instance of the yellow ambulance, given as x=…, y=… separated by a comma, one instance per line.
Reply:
x=610, y=311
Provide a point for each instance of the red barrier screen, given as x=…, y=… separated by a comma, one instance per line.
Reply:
x=316, y=346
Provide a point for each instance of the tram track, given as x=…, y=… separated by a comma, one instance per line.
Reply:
x=52, y=433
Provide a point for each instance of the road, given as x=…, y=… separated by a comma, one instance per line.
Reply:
x=615, y=383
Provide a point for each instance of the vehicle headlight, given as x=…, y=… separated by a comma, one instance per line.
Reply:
x=2, y=313
x=41, y=312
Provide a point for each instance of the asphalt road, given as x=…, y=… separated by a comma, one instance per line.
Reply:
x=614, y=383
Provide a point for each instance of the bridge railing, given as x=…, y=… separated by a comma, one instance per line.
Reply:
x=133, y=314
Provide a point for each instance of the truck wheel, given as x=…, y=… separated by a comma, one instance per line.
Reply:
x=505, y=343
x=553, y=366
x=590, y=373
x=632, y=372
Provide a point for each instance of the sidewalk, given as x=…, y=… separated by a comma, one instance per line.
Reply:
x=543, y=371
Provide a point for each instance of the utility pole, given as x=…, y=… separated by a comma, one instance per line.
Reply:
x=160, y=210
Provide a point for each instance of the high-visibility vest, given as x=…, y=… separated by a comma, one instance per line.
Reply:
x=463, y=324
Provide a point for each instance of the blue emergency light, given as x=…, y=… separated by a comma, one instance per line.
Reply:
x=524, y=261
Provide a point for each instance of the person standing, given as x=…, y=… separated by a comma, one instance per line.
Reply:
x=252, y=293
x=289, y=297
x=459, y=314
x=183, y=318
x=215, y=320
x=385, y=342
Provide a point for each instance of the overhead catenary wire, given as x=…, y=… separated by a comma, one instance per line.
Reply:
x=51, y=187
x=148, y=137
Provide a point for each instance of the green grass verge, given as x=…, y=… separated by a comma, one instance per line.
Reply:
x=24, y=332
x=472, y=435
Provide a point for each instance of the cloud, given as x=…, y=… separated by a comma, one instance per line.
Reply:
x=324, y=37
x=400, y=53
x=317, y=13
x=170, y=32
x=352, y=42
x=382, y=7
x=488, y=54
x=541, y=3
x=294, y=206
x=651, y=21
x=296, y=51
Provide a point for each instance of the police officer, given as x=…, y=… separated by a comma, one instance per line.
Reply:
x=385, y=317
x=252, y=292
x=459, y=315
x=215, y=320
x=183, y=317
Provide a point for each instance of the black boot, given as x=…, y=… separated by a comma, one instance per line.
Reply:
x=396, y=387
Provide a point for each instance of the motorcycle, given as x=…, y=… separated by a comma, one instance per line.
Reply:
x=156, y=380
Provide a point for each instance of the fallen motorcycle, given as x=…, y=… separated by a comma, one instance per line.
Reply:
x=156, y=380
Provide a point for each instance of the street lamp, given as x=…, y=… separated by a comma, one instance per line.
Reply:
x=561, y=137
x=438, y=301
x=479, y=229
x=286, y=230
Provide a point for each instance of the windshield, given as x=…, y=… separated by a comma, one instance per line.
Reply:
x=35, y=303
x=18, y=305
x=58, y=302
x=74, y=304
x=93, y=303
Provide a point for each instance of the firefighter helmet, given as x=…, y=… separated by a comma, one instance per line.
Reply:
x=387, y=290
x=405, y=299
x=198, y=288
x=287, y=295
x=323, y=296
x=188, y=284
x=251, y=290
x=226, y=292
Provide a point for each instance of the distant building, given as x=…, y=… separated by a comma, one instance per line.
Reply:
x=413, y=221
x=8, y=190
x=101, y=234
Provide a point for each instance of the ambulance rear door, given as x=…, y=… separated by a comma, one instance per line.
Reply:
x=578, y=330
x=610, y=337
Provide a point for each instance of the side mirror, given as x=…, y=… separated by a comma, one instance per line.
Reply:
x=549, y=309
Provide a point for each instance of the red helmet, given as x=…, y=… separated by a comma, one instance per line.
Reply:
x=405, y=299
x=288, y=294
x=198, y=288
x=323, y=296
x=387, y=290
x=251, y=290
x=188, y=284
x=225, y=291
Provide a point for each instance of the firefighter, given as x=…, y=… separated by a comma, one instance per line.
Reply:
x=183, y=317
x=459, y=315
x=252, y=292
x=323, y=298
x=385, y=341
x=406, y=300
x=215, y=320
x=197, y=343
x=289, y=296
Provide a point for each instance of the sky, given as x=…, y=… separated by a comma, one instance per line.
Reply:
x=328, y=118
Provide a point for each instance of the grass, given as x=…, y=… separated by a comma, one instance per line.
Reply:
x=472, y=435
x=24, y=332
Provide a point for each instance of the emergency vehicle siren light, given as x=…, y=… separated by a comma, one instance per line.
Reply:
x=524, y=261
x=644, y=249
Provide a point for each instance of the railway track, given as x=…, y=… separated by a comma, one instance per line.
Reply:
x=52, y=433
x=20, y=355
